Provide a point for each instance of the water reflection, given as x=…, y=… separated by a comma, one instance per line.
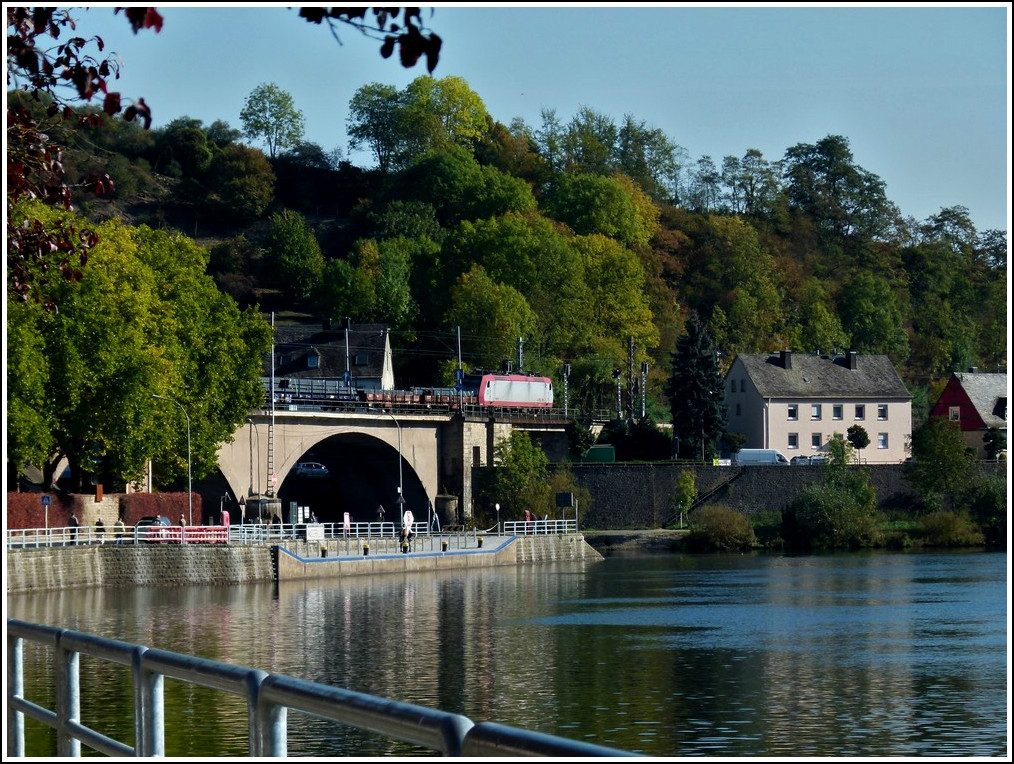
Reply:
x=669, y=655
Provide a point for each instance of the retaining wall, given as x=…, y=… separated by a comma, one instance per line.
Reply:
x=31, y=570
x=638, y=495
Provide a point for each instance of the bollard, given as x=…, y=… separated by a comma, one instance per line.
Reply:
x=366, y=550
x=404, y=547
x=480, y=542
x=443, y=545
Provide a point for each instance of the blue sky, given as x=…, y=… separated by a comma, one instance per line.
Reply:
x=922, y=93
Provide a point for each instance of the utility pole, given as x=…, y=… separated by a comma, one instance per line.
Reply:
x=631, y=347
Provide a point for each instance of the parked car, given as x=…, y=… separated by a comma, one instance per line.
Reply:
x=310, y=469
x=799, y=460
x=818, y=459
x=152, y=528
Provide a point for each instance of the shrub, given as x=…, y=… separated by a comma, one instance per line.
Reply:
x=949, y=529
x=717, y=528
x=767, y=527
x=823, y=516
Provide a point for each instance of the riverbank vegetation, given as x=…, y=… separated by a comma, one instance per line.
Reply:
x=840, y=513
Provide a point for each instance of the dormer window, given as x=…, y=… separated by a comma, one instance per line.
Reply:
x=313, y=360
x=362, y=359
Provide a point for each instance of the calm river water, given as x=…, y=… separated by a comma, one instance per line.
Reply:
x=666, y=655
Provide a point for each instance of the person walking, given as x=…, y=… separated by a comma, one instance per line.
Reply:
x=73, y=523
x=119, y=528
x=100, y=530
x=407, y=521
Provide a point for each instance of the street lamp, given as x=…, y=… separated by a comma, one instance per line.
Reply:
x=401, y=500
x=190, y=492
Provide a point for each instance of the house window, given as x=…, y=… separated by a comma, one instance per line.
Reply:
x=954, y=413
x=882, y=412
x=793, y=441
x=815, y=411
x=860, y=412
x=837, y=412
x=881, y=440
x=476, y=456
x=733, y=385
x=815, y=440
x=738, y=413
x=361, y=359
x=312, y=361
x=793, y=412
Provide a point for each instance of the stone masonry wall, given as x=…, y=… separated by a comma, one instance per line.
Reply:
x=629, y=496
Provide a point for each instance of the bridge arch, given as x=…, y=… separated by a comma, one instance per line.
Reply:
x=362, y=457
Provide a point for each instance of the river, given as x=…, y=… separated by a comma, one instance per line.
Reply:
x=668, y=655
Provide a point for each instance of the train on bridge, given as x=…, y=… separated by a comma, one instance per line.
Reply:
x=519, y=392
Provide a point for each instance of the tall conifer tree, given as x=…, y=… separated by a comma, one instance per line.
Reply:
x=696, y=392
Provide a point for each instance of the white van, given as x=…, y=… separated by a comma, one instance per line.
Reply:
x=747, y=456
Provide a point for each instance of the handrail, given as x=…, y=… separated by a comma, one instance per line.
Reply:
x=259, y=533
x=268, y=697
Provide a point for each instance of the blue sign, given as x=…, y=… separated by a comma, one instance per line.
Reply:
x=46, y=500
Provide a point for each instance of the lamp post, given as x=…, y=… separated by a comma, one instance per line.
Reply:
x=401, y=500
x=190, y=493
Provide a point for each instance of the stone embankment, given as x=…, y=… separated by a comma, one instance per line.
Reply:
x=32, y=570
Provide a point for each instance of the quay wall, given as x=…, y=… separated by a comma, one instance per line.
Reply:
x=111, y=565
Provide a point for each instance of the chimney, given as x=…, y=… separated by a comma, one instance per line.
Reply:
x=973, y=369
x=786, y=359
x=853, y=360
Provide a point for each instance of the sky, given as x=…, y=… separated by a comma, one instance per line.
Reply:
x=921, y=92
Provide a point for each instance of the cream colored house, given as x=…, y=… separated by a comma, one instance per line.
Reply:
x=797, y=403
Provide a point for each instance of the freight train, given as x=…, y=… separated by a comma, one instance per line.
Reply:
x=513, y=391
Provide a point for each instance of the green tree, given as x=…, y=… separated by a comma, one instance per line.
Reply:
x=492, y=317
x=270, y=114
x=942, y=464
x=840, y=512
x=441, y=113
x=241, y=182
x=844, y=200
x=871, y=315
x=376, y=112
x=30, y=426
x=994, y=442
x=683, y=498
x=532, y=255
x=695, y=391
x=146, y=319
x=520, y=476
x=294, y=255
x=858, y=437
x=592, y=204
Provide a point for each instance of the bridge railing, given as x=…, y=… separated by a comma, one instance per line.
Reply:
x=268, y=698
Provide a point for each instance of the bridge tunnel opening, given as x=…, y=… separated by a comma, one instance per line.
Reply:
x=362, y=474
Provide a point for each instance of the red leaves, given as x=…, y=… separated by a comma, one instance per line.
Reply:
x=411, y=37
x=140, y=111
x=142, y=18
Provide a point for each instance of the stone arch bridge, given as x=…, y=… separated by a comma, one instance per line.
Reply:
x=369, y=453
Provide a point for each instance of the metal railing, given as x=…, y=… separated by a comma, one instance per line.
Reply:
x=425, y=535
x=268, y=698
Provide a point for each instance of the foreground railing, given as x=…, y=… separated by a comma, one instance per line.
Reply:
x=268, y=696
